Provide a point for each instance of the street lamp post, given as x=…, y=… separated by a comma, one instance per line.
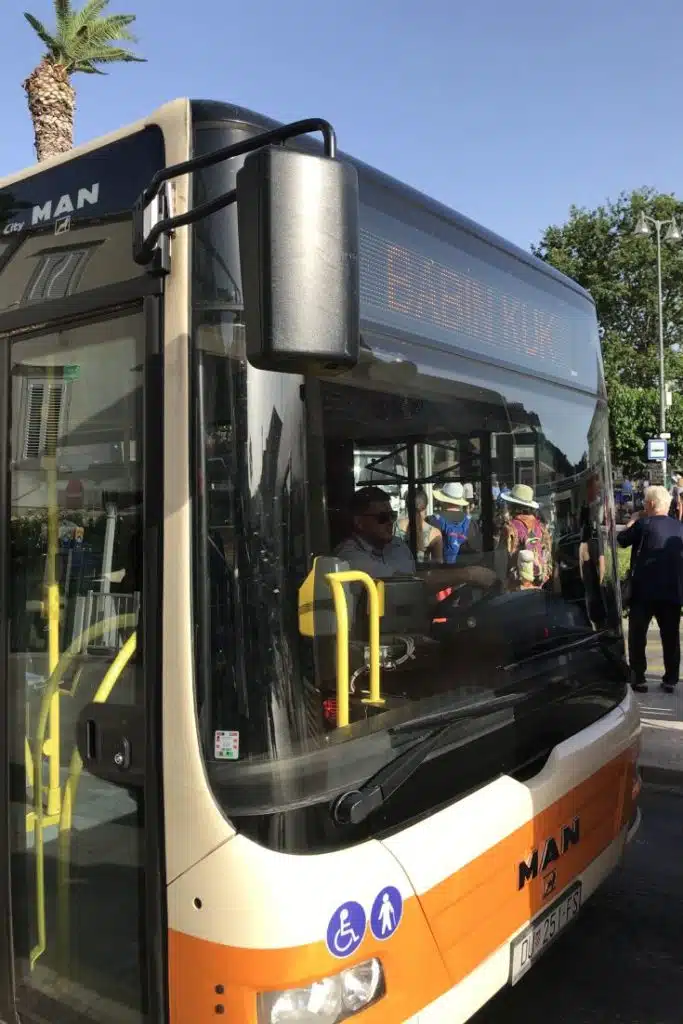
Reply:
x=673, y=234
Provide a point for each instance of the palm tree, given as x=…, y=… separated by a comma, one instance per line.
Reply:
x=82, y=41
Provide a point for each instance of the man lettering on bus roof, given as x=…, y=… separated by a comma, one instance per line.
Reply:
x=372, y=547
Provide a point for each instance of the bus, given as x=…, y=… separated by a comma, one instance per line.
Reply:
x=245, y=775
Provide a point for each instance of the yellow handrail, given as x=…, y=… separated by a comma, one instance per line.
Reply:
x=52, y=690
x=52, y=608
x=336, y=581
x=111, y=677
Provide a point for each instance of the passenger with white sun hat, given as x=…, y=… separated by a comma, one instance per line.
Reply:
x=521, y=496
x=525, y=534
x=457, y=526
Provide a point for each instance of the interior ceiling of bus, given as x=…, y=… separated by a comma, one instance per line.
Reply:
x=392, y=400
x=382, y=416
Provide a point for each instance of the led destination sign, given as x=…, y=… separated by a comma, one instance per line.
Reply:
x=416, y=282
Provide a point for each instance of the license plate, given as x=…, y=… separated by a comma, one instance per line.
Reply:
x=528, y=946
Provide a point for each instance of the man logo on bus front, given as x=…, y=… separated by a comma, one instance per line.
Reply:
x=542, y=857
x=549, y=883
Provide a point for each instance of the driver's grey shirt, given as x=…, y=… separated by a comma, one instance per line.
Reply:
x=394, y=559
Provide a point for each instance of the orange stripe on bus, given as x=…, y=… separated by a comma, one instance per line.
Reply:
x=475, y=911
x=198, y=969
x=444, y=934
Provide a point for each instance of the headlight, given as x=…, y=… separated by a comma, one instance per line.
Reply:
x=326, y=1001
x=361, y=985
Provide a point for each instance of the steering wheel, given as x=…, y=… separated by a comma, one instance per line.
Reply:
x=464, y=595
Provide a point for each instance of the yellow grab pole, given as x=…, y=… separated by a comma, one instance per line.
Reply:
x=52, y=690
x=111, y=677
x=336, y=581
x=341, y=613
x=51, y=748
x=373, y=625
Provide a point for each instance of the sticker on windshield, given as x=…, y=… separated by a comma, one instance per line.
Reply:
x=226, y=745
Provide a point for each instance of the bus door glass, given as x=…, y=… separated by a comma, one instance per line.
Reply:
x=75, y=575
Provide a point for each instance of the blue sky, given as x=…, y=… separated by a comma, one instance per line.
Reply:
x=508, y=110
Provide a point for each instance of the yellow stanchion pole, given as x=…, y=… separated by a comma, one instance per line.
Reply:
x=52, y=746
x=48, y=747
x=336, y=581
x=52, y=690
x=111, y=677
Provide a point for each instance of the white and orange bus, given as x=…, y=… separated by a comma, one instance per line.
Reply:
x=249, y=773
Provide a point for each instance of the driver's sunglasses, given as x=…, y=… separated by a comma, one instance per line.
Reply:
x=381, y=517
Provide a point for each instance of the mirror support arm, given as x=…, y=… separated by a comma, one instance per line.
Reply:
x=152, y=219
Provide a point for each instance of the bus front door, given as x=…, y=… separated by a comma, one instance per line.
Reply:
x=74, y=508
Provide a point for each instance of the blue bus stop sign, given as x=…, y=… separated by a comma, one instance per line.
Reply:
x=657, y=449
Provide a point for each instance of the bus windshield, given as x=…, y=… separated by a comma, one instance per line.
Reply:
x=474, y=483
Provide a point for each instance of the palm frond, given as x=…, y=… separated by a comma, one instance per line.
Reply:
x=63, y=9
x=114, y=55
x=111, y=29
x=87, y=37
x=93, y=8
x=88, y=69
x=48, y=41
x=87, y=15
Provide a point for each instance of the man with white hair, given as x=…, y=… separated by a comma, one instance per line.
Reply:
x=656, y=542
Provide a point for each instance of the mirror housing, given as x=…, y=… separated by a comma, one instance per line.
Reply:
x=298, y=237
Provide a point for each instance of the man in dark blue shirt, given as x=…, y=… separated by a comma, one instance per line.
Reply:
x=656, y=541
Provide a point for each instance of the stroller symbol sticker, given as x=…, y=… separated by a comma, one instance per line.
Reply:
x=346, y=929
x=386, y=913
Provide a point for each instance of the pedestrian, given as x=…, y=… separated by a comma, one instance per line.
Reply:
x=676, y=507
x=656, y=542
x=592, y=562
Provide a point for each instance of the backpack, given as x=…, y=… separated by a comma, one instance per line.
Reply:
x=533, y=540
x=454, y=535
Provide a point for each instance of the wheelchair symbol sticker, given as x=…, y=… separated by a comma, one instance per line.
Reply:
x=346, y=929
x=386, y=913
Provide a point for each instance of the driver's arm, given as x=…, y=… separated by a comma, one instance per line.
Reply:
x=455, y=576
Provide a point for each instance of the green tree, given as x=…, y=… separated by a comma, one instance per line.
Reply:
x=599, y=250
x=82, y=41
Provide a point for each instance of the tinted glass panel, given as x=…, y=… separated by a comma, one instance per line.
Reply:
x=75, y=602
x=493, y=539
x=494, y=544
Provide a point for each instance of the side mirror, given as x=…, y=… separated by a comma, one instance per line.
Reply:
x=298, y=237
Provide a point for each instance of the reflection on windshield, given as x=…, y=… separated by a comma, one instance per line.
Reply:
x=487, y=542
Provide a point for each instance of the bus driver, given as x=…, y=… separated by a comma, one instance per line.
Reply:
x=372, y=546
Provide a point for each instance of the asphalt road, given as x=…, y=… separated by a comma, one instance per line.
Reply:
x=622, y=962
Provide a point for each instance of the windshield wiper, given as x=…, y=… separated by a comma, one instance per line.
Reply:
x=356, y=805
x=560, y=643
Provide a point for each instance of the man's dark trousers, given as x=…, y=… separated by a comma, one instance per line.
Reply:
x=668, y=618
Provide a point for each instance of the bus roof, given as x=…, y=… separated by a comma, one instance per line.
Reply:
x=175, y=107
x=207, y=111
x=216, y=111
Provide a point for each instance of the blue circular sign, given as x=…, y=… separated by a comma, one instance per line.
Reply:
x=386, y=913
x=346, y=929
